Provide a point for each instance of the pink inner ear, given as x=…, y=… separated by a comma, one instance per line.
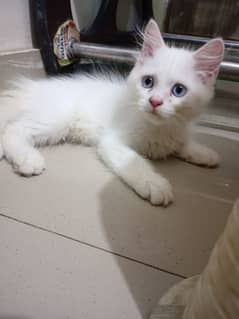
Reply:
x=209, y=57
x=147, y=49
x=206, y=76
x=152, y=39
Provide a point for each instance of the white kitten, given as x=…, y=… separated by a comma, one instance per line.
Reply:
x=145, y=116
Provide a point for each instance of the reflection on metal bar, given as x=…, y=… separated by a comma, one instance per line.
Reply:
x=102, y=52
x=228, y=70
x=196, y=40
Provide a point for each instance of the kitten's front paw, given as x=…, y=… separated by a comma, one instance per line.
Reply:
x=200, y=155
x=156, y=189
x=33, y=164
x=205, y=157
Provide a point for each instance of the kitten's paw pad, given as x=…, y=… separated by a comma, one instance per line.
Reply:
x=34, y=164
x=157, y=190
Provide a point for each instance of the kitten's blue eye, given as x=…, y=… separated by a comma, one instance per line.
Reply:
x=147, y=81
x=179, y=90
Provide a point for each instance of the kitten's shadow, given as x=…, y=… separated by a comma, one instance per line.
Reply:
x=114, y=217
x=126, y=219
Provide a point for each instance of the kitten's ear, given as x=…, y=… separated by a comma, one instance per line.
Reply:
x=208, y=59
x=152, y=39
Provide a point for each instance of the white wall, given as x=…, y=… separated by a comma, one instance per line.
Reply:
x=15, y=31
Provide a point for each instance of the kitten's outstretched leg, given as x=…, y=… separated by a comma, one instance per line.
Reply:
x=198, y=154
x=135, y=171
x=18, y=146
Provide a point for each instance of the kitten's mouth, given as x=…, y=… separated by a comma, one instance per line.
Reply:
x=153, y=112
x=153, y=117
x=157, y=115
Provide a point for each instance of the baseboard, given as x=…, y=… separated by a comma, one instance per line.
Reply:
x=220, y=122
x=26, y=63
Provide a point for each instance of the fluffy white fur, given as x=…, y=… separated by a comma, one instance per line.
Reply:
x=116, y=116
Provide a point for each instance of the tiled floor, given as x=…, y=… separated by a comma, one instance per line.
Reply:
x=77, y=243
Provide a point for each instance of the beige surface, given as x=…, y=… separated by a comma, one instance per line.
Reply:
x=77, y=196
x=46, y=276
x=77, y=213
x=77, y=243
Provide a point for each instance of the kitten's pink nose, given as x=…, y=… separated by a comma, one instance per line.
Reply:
x=155, y=102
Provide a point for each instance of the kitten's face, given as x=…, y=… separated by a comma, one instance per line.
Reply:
x=171, y=82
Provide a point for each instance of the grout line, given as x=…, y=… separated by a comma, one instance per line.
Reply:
x=213, y=197
x=91, y=245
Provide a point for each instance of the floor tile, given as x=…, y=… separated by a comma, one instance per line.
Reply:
x=79, y=197
x=46, y=276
